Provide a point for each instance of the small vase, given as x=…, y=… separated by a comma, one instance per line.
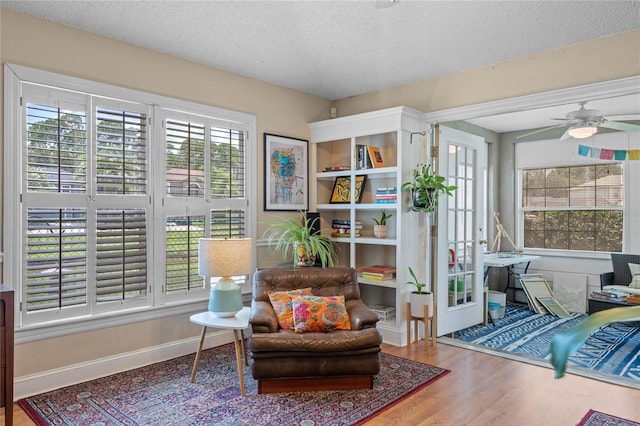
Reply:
x=380, y=231
x=302, y=258
x=418, y=301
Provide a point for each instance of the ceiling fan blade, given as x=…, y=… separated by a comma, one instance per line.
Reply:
x=540, y=131
x=618, y=125
x=565, y=136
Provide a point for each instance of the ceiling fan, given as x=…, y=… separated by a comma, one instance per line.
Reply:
x=584, y=123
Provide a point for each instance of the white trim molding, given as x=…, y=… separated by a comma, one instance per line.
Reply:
x=45, y=381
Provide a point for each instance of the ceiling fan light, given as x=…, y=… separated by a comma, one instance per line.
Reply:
x=581, y=132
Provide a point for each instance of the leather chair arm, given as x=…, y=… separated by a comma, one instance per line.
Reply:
x=606, y=278
x=263, y=318
x=361, y=315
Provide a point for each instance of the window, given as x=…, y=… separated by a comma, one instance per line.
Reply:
x=110, y=204
x=574, y=208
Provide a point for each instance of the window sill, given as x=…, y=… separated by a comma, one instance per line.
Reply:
x=81, y=325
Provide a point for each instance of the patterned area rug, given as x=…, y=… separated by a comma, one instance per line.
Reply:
x=614, y=349
x=160, y=394
x=596, y=418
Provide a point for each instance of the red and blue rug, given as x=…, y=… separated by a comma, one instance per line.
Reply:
x=596, y=418
x=160, y=394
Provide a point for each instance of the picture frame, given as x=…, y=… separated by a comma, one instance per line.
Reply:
x=286, y=173
x=535, y=287
x=341, y=192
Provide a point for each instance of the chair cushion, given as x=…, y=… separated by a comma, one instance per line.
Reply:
x=281, y=302
x=316, y=313
x=635, y=273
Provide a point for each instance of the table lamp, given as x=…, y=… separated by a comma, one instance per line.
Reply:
x=224, y=258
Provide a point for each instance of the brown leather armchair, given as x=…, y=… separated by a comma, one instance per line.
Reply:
x=286, y=361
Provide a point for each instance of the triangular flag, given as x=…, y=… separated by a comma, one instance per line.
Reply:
x=583, y=150
x=606, y=154
x=634, y=154
x=620, y=155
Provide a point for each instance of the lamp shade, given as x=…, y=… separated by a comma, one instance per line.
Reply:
x=581, y=132
x=225, y=258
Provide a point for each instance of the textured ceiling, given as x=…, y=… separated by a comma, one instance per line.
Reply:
x=337, y=49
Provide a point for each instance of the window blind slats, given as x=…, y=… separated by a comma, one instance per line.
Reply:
x=56, y=258
x=121, y=255
x=121, y=166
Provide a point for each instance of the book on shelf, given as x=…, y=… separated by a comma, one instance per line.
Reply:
x=341, y=228
x=609, y=296
x=336, y=168
x=376, y=277
x=387, y=190
x=368, y=157
x=386, y=195
x=375, y=156
x=378, y=272
x=362, y=157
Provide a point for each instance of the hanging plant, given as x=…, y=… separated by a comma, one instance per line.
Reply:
x=426, y=187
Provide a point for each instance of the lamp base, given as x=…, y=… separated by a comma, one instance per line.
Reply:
x=225, y=298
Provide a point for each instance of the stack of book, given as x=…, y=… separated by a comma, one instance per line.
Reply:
x=387, y=195
x=336, y=168
x=609, y=295
x=368, y=157
x=342, y=228
x=378, y=272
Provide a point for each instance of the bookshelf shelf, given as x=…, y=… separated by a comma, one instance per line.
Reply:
x=336, y=141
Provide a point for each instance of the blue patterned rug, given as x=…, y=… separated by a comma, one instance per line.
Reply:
x=614, y=349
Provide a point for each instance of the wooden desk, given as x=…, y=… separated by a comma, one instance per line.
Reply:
x=6, y=352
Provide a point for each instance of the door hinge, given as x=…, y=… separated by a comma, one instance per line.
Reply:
x=435, y=151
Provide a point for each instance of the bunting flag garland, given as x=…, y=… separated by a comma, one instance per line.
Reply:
x=609, y=154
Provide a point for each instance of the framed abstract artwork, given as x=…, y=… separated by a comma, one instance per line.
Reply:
x=286, y=165
x=341, y=192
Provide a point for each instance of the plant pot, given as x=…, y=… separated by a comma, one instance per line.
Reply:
x=380, y=231
x=424, y=200
x=418, y=301
x=302, y=258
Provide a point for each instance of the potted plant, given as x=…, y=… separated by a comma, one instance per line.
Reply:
x=420, y=297
x=425, y=187
x=307, y=245
x=380, y=228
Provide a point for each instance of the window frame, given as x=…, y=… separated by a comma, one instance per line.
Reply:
x=157, y=306
x=524, y=209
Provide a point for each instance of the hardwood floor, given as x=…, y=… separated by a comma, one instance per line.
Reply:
x=484, y=389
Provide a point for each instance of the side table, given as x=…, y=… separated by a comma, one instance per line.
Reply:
x=597, y=305
x=237, y=323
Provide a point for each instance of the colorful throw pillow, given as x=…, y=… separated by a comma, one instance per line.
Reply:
x=315, y=313
x=281, y=302
x=635, y=271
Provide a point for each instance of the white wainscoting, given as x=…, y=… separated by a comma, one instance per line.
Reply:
x=57, y=378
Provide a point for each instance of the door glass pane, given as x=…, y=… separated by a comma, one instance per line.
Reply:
x=461, y=226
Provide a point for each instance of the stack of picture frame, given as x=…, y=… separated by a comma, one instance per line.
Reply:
x=540, y=297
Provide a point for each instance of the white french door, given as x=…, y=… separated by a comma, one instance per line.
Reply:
x=459, y=268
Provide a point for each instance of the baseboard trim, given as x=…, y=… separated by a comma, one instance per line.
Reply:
x=45, y=381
